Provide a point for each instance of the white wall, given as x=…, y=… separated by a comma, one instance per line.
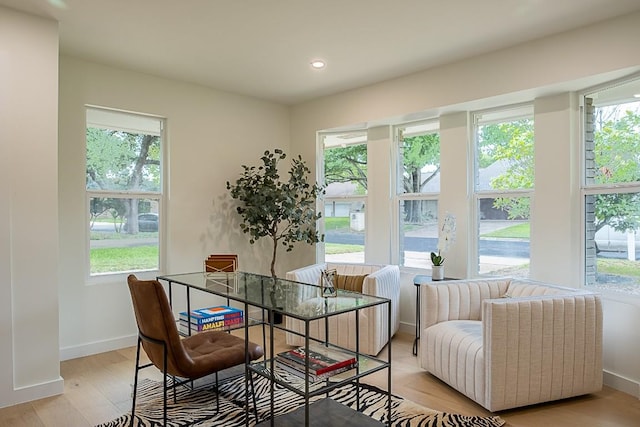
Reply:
x=29, y=365
x=210, y=134
x=556, y=205
x=455, y=151
x=546, y=72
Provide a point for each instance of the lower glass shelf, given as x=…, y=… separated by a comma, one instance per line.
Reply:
x=366, y=366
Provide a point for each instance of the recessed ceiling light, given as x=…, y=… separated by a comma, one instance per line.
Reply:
x=637, y=95
x=318, y=64
x=60, y=4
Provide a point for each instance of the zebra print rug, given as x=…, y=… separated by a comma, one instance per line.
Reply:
x=198, y=407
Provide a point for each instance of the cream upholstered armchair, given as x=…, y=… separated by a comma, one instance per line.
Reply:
x=507, y=343
x=379, y=280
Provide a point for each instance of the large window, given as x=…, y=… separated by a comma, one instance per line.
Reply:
x=418, y=182
x=612, y=187
x=504, y=155
x=124, y=191
x=345, y=180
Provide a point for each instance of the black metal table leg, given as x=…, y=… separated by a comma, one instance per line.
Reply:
x=417, y=281
x=415, y=341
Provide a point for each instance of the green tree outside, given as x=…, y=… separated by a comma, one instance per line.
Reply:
x=118, y=160
x=617, y=159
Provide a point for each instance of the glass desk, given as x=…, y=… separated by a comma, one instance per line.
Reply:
x=300, y=301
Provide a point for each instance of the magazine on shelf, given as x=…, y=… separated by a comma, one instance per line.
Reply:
x=211, y=314
x=321, y=359
x=299, y=370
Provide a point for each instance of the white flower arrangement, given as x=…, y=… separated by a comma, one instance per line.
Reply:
x=446, y=237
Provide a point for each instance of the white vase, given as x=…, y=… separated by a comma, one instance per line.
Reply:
x=437, y=272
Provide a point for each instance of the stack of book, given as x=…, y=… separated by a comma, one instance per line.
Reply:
x=210, y=319
x=324, y=362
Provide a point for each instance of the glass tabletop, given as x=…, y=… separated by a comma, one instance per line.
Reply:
x=295, y=299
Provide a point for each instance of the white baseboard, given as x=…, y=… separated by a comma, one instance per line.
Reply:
x=92, y=348
x=620, y=383
x=407, y=328
x=35, y=392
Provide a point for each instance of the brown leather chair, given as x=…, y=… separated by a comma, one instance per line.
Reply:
x=186, y=358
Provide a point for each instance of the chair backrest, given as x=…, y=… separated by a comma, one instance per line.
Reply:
x=155, y=320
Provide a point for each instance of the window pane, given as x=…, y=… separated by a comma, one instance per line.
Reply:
x=612, y=242
x=615, y=156
x=504, y=164
x=123, y=235
x=119, y=159
x=612, y=216
x=505, y=155
x=503, y=244
x=420, y=159
x=345, y=170
x=418, y=232
x=345, y=178
x=344, y=223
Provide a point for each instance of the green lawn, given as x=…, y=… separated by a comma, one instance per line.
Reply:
x=336, y=223
x=335, y=248
x=112, y=260
x=518, y=231
x=105, y=235
x=344, y=223
x=619, y=267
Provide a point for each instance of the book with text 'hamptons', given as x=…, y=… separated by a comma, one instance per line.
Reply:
x=211, y=314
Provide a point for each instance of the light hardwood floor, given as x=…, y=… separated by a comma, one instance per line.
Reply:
x=98, y=389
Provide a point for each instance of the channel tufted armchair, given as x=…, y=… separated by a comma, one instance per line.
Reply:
x=378, y=280
x=506, y=343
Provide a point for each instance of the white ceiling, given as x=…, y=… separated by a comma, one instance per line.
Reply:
x=263, y=48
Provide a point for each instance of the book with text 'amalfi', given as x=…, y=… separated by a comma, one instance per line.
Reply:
x=203, y=316
x=219, y=325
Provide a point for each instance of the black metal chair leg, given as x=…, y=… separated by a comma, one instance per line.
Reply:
x=135, y=383
x=164, y=418
x=217, y=394
x=253, y=396
x=173, y=382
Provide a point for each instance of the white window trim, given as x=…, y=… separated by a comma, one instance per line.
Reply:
x=140, y=126
x=361, y=137
x=480, y=118
x=596, y=189
x=429, y=126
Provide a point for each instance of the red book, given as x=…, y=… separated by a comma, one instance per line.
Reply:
x=321, y=359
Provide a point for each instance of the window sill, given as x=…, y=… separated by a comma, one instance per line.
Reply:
x=111, y=278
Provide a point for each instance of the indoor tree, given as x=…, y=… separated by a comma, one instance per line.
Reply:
x=282, y=210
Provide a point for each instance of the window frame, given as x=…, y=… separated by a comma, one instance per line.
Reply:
x=595, y=189
x=500, y=114
x=159, y=195
x=320, y=178
x=432, y=126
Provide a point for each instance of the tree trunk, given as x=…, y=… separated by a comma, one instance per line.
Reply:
x=135, y=180
x=273, y=257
